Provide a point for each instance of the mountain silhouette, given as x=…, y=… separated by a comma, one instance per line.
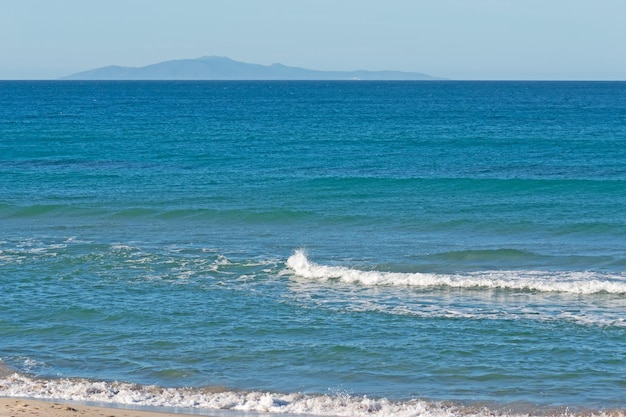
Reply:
x=223, y=68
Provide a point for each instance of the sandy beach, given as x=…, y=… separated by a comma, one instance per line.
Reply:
x=18, y=407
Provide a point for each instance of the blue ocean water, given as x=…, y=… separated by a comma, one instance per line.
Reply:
x=322, y=248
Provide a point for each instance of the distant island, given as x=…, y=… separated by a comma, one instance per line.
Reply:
x=223, y=68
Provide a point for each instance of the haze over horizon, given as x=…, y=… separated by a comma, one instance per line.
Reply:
x=454, y=39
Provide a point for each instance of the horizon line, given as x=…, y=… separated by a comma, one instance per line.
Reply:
x=62, y=79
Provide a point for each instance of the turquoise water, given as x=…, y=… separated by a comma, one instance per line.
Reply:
x=326, y=248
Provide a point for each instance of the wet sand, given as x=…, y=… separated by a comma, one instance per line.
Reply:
x=19, y=407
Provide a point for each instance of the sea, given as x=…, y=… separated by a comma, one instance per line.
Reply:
x=305, y=248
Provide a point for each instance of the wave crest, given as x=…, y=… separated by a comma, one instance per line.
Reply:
x=575, y=282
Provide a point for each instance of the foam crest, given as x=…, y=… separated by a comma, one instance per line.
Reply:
x=338, y=405
x=575, y=282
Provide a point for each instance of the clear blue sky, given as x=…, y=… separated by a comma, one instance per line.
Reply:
x=458, y=39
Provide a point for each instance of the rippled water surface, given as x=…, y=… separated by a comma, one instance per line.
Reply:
x=330, y=248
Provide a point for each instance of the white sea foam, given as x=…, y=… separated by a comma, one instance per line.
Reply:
x=341, y=404
x=120, y=247
x=575, y=282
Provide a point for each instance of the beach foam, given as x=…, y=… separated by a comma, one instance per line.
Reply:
x=338, y=404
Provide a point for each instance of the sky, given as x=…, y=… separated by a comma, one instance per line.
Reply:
x=455, y=39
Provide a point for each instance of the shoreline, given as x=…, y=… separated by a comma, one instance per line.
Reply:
x=31, y=407
x=26, y=407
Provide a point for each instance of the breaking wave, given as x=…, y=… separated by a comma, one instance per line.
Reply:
x=573, y=282
x=216, y=398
